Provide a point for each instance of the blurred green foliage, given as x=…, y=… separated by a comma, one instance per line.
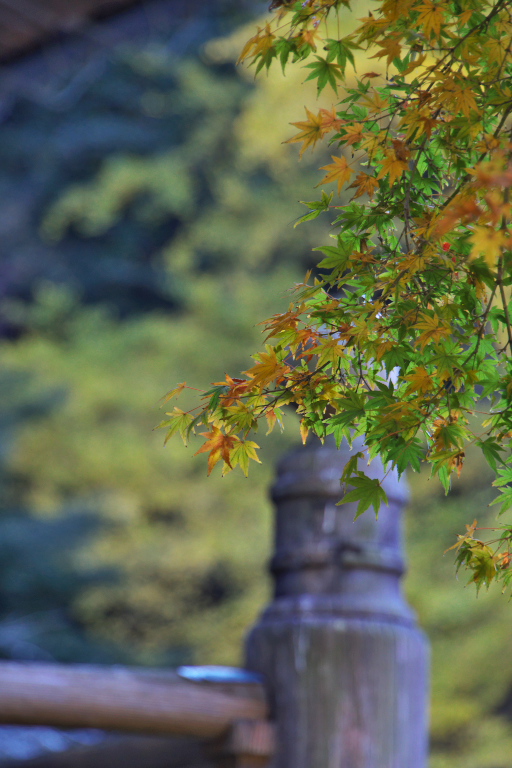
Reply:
x=153, y=230
x=151, y=265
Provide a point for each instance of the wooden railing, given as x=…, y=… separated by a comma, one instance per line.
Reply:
x=123, y=699
x=343, y=663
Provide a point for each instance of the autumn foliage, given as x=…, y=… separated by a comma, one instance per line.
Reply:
x=404, y=332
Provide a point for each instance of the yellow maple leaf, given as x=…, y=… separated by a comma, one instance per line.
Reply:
x=374, y=102
x=284, y=321
x=420, y=380
x=464, y=17
x=311, y=130
x=219, y=445
x=268, y=369
x=390, y=47
x=393, y=166
x=339, y=171
x=373, y=141
x=329, y=351
x=418, y=121
x=431, y=17
x=414, y=64
x=394, y=9
x=365, y=185
x=175, y=392
x=488, y=242
x=261, y=42
x=457, y=93
x=434, y=329
x=382, y=348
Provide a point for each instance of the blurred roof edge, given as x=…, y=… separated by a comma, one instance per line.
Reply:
x=54, y=67
x=26, y=25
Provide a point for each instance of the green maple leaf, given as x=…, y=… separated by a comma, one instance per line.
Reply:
x=368, y=492
x=324, y=72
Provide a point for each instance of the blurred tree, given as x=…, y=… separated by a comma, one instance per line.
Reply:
x=159, y=257
x=162, y=245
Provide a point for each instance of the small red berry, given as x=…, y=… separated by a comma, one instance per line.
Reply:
x=446, y=246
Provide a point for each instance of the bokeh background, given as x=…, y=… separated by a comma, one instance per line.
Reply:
x=147, y=205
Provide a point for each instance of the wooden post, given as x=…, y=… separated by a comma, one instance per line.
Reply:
x=346, y=667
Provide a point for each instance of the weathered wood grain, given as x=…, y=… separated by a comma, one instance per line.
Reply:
x=123, y=699
x=345, y=664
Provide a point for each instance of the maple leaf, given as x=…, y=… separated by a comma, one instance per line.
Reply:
x=488, y=242
x=329, y=351
x=324, y=72
x=418, y=122
x=311, y=131
x=463, y=208
x=431, y=17
x=365, y=185
x=390, y=47
x=174, y=392
x=307, y=37
x=237, y=388
x=260, y=43
x=493, y=172
x=268, y=369
x=339, y=171
x=420, y=380
x=458, y=93
x=273, y=417
x=179, y=422
x=284, y=321
x=434, y=329
x=353, y=133
x=330, y=120
x=402, y=151
x=240, y=455
x=374, y=102
x=219, y=445
x=393, y=166
x=368, y=492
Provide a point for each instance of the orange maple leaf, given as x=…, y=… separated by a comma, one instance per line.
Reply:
x=401, y=149
x=284, y=321
x=219, y=445
x=330, y=120
x=237, y=389
x=463, y=208
x=420, y=121
x=365, y=185
x=307, y=37
x=353, y=133
x=339, y=171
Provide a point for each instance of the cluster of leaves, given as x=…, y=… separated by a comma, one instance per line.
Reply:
x=405, y=331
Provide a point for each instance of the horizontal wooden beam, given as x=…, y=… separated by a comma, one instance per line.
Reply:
x=123, y=699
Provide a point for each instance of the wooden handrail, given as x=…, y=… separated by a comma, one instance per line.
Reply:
x=123, y=699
